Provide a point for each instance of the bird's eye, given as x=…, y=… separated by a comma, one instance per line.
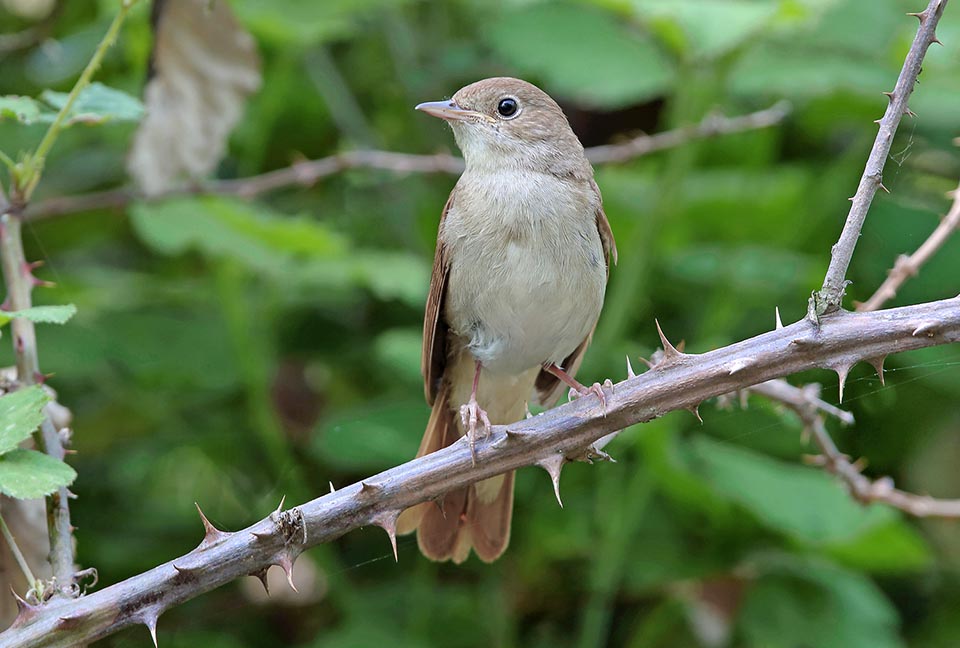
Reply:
x=508, y=107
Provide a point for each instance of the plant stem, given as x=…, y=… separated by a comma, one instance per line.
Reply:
x=830, y=296
x=34, y=168
x=17, y=554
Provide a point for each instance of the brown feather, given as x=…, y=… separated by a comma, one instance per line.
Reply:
x=441, y=431
x=477, y=516
x=434, y=352
x=489, y=524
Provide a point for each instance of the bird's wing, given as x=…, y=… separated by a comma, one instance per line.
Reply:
x=548, y=387
x=434, y=358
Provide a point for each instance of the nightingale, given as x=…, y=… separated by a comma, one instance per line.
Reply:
x=519, y=274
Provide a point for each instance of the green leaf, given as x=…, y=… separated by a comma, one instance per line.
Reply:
x=893, y=548
x=26, y=474
x=96, y=104
x=21, y=412
x=802, y=502
x=19, y=109
x=710, y=27
x=374, y=436
x=228, y=228
x=807, y=602
x=581, y=52
x=308, y=23
x=60, y=314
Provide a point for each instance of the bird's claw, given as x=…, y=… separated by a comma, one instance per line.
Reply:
x=597, y=389
x=471, y=415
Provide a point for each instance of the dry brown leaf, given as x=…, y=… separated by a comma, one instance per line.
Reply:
x=204, y=66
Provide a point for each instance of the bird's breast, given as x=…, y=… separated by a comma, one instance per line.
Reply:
x=527, y=272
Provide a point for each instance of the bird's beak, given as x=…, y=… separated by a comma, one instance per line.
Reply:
x=448, y=110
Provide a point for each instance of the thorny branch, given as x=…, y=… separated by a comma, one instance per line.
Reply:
x=19, y=281
x=907, y=266
x=309, y=172
x=830, y=296
x=678, y=381
x=806, y=404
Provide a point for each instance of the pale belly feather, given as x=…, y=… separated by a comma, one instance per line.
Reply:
x=528, y=289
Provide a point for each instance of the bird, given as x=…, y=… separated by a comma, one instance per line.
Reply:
x=520, y=270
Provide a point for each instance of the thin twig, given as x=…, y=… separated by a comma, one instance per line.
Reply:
x=678, y=381
x=37, y=159
x=908, y=266
x=711, y=126
x=19, y=282
x=309, y=172
x=805, y=402
x=17, y=554
x=867, y=490
x=830, y=296
x=806, y=399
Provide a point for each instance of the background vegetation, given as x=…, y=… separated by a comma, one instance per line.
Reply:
x=231, y=352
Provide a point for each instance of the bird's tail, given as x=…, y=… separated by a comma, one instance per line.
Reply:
x=477, y=516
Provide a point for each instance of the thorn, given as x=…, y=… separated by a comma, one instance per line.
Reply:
x=151, y=622
x=884, y=187
x=645, y=361
x=332, y=489
x=842, y=371
x=286, y=564
x=438, y=502
x=776, y=311
x=553, y=464
x=739, y=365
x=878, y=365
x=211, y=534
x=877, y=121
x=261, y=574
x=185, y=570
x=669, y=351
x=909, y=112
x=888, y=95
x=67, y=623
x=805, y=343
x=283, y=498
x=527, y=413
x=25, y=611
x=919, y=15
x=925, y=328
x=388, y=522
x=630, y=372
x=260, y=537
x=937, y=41
x=695, y=410
x=367, y=488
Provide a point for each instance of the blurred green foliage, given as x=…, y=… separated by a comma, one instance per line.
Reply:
x=231, y=352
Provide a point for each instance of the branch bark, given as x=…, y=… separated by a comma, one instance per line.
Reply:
x=308, y=173
x=830, y=296
x=678, y=381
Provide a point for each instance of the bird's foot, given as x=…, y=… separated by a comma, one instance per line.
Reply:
x=471, y=415
x=596, y=389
